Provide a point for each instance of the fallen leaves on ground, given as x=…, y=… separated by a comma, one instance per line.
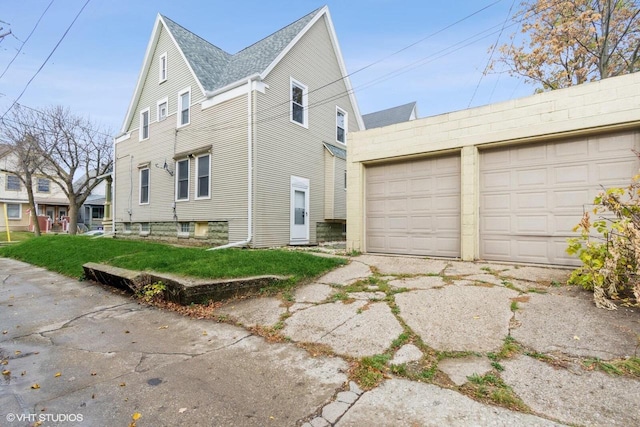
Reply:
x=35, y=386
x=58, y=374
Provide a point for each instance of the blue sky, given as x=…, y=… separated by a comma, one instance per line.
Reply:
x=95, y=68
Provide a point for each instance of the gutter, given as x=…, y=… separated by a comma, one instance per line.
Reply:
x=212, y=93
x=249, y=173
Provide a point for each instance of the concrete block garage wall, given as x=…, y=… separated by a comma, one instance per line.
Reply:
x=552, y=142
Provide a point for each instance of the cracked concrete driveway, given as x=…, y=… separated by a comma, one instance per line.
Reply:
x=495, y=344
x=116, y=357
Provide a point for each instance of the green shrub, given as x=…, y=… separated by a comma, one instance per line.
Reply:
x=609, y=247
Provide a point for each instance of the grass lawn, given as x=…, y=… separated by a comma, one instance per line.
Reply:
x=16, y=236
x=66, y=254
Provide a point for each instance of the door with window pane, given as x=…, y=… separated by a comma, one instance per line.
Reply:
x=299, y=210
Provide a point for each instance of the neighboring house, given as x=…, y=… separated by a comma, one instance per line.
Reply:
x=246, y=148
x=391, y=116
x=502, y=182
x=91, y=213
x=50, y=199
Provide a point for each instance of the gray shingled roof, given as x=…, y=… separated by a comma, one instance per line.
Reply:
x=390, y=116
x=338, y=152
x=216, y=68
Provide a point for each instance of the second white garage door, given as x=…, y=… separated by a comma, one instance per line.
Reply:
x=413, y=207
x=532, y=196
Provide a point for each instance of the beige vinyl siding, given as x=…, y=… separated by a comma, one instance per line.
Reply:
x=340, y=194
x=21, y=224
x=179, y=78
x=284, y=148
x=222, y=128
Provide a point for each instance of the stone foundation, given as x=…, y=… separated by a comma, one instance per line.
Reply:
x=330, y=232
x=201, y=233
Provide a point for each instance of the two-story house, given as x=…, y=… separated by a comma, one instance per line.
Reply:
x=49, y=198
x=245, y=149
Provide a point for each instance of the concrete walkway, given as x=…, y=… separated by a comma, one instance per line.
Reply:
x=491, y=345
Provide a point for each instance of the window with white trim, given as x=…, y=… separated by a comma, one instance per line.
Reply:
x=163, y=108
x=14, y=211
x=144, y=186
x=43, y=185
x=163, y=67
x=341, y=125
x=299, y=103
x=144, y=124
x=184, y=107
x=203, y=174
x=13, y=183
x=182, y=179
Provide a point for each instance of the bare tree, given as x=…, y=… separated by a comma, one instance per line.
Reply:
x=21, y=135
x=71, y=145
x=574, y=41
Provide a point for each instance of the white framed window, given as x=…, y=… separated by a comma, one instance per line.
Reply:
x=13, y=183
x=14, y=211
x=299, y=103
x=184, y=107
x=144, y=186
x=163, y=109
x=145, y=228
x=163, y=67
x=144, y=124
x=43, y=185
x=182, y=180
x=341, y=125
x=203, y=176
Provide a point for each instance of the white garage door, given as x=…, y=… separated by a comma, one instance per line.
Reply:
x=413, y=207
x=532, y=196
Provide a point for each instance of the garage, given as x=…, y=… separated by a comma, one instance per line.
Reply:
x=531, y=196
x=413, y=207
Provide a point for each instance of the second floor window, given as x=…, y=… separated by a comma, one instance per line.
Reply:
x=13, y=183
x=184, y=106
x=43, y=185
x=144, y=124
x=298, y=103
x=182, y=180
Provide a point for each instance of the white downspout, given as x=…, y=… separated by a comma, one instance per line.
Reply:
x=249, y=174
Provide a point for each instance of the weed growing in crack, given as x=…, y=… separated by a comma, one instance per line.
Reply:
x=498, y=367
x=368, y=372
x=491, y=388
x=514, y=306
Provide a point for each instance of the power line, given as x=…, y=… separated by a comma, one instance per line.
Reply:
x=47, y=59
x=493, y=49
x=27, y=39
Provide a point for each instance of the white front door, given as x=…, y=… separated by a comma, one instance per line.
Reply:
x=299, y=210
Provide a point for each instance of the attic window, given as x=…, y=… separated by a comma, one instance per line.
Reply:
x=299, y=105
x=162, y=109
x=162, y=65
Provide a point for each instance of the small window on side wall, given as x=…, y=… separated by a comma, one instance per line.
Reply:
x=341, y=125
x=163, y=67
x=163, y=109
x=203, y=174
x=144, y=186
x=182, y=180
x=299, y=103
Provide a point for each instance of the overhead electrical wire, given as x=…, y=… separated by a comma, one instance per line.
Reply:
x=46, y=60
x=26, y=40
